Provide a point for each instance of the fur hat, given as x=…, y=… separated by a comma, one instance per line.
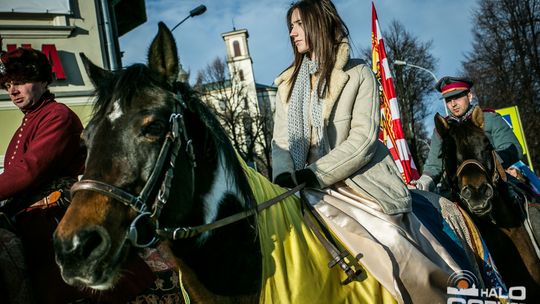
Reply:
x=24, y=65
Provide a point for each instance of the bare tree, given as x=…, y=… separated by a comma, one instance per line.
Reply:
x=412, y=85
x=505, y=61
x=246, y=125
x=264, y=140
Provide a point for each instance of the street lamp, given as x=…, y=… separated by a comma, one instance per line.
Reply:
x=199, y=10
x=405, y=63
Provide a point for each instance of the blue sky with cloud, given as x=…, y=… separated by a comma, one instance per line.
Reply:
x=447, y=23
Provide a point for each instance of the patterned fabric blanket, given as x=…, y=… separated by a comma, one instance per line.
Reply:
x=471, y=240
x=166, y=288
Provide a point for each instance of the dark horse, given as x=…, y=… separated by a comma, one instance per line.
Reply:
x=478, y=183
x=133, y=112
x=159, y=165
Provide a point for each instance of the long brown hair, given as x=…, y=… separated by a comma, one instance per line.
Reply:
x=324, y=30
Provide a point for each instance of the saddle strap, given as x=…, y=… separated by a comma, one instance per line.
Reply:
x=188, y=232
x=46, y=202
x=328, y=241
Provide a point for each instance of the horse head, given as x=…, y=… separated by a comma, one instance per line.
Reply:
x=158, y=163
x=472, y=166
x=124, y=138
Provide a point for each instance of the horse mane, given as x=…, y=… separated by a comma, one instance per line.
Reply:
x=220, y=140
x=127, y=83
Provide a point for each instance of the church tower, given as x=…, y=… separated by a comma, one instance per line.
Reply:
x=239, y=61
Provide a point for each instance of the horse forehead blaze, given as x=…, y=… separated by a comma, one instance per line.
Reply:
x=116, y=111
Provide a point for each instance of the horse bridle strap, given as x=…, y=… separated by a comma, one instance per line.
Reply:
x=188, y=232
x=497, y=172
x=139, y=203
x=116, y=193
x=167, y=156
x=470, y=162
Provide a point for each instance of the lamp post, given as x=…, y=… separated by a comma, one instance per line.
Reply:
x=199, y=10
x=404, y=63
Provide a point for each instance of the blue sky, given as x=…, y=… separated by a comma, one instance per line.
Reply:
x=447, y=23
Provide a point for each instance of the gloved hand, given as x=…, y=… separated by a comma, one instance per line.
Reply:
x=308, y=177
x=425, y=182
x=285, y=180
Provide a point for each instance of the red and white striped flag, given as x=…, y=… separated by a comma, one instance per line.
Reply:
x=391, y=131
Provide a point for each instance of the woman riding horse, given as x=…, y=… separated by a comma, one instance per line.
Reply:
x=151, y=136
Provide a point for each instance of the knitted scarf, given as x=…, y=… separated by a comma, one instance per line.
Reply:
x=463, y=117
x=299, y=126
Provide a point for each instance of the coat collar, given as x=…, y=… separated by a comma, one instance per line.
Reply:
x=338, y=79
x=45, y=99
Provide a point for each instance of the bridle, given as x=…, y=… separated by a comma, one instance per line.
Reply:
x=175, y=139
x=498, y=173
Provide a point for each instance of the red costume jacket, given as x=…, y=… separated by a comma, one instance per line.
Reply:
x=45, y=147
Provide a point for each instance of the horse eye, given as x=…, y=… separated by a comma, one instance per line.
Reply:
x=154, y=129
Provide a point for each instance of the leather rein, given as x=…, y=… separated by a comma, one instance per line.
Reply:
x=174, y=140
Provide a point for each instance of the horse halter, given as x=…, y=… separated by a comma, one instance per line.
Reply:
x=498, y=172
x=175, y=138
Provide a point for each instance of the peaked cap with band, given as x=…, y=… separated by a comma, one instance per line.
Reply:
x=450, y=86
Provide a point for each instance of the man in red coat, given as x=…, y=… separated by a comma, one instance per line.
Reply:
x=44, y=155
x=46, y=146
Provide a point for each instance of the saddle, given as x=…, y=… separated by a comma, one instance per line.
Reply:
x=55, y=193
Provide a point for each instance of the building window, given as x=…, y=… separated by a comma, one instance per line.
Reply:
x=241, y=75
x=236, y=48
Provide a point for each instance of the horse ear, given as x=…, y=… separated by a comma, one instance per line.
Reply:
x=441, y=125
x=96, y=74
x=478, y=117
x=162, y=56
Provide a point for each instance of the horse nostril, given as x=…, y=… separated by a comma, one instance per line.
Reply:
x=91, y=242
x=466, y=192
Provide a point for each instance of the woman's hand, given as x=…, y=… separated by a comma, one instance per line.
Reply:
x=285, y=180
x=308, y=177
